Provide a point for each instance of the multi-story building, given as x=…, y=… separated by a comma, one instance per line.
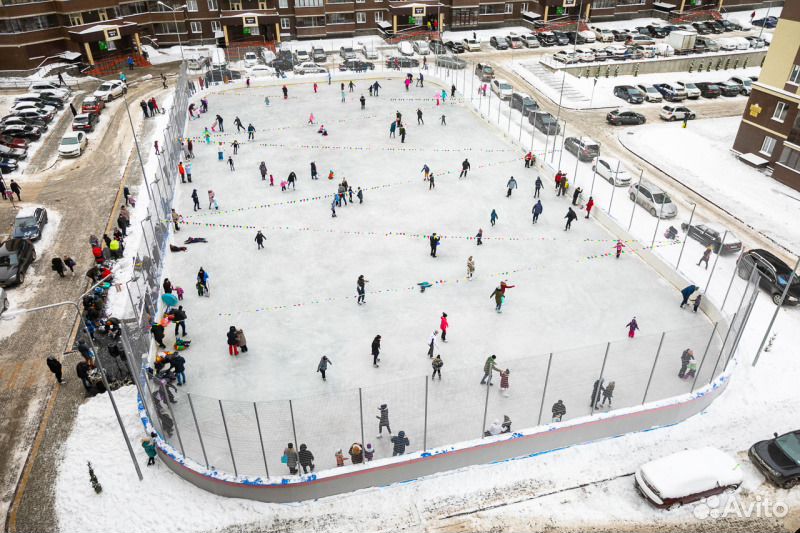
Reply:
x=770, y=130
x=31, y=31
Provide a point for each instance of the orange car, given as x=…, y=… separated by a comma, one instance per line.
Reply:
x=92, y=105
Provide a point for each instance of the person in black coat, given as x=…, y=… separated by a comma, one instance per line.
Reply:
x=260, y=239
x=179, y=317
x=570, y=216
x=434, y=241
x=465, y=166
x=559, y=410
x=158, y=334
x=306, y=459
x=313, y=170
x=383, y=420
x=400, y=442
x=233, y=346
x=113, y=328
x=376, y=350
x=178, y=364
x=82, y=370
x=55, y=368
x=57, y=265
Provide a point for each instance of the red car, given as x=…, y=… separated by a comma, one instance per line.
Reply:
x=92, y=105
x=13, y=142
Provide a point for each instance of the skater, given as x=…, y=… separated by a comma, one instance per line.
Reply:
x=465, y=166
x=686, y=357
x=426, y=171
x=220, y=124
x=55, y=368
x=498, y=299
x=632, y=327
x=188, y=167
x=706, y=256
x=196, y=200
x=322, y=367
x=361, y=290
x=696, y=303
x=686, y=293
x=432, y=344
x=589, y=206
x=376, y=350
x=431, y=181
x=356, y=452
x=291, y=458
x=155, y=145
x=608, y=393
x=251, y=132
x=511, y=185
x=175, y=219
x=434, y=242
x=369, y=452
x=314, y=171
x=305, y=457
x=493, y=217
x=421, y=79
x=339, y=457
x=529, y=160
x=443, y=121
x=597, y=392
x=576, y=195
x=537, y=210
x=291, y=179
x=479, y=237
x=241, y=340
x=400, y=442
x=375, y=87
x=618, y=247
x=360, y=196
x=392, y=129
x=238, y=123
x=233, y=347
x=262, y=168
x=488, y=367
x=351, y=85
x=182, y=171
x=383, y=420
x=538, y=187
x=157, y=330
x=570, y=216
x=363, y=102
x=285, y=91
x=443, y=325
x=504, y=382
x=230, y=161
x=419, y=117
x=260, y=240
x=470, y=267
x=179, y=318
x=452, y=90
x=558, y=410
x=149, y=446
x=344, y=96
x=437, y=365
x=202, y=283
x=311, y=118
x=402, y=132
x=190, y=148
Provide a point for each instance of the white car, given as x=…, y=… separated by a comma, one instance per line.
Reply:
x=422, y=48
x=585, y=55
x=588, y=35
x=53, y=88
x=21, y=106
x=676, y=112
x=472, y=45
x=309, y=67
x=604, y=35
x=692, y=91
x=301, y=56
x=109, y=90
x=616, y=50
x=502, y=88
x=250, y=59
x=651, y=94
x=743, y=23
x=530, y=41
x=687, y=476
x=612, y=170
x=369, y=52
x=262, y=71
x=405, y=48
x=72, y=144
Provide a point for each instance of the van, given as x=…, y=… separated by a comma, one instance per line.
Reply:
x=421, y=47
x=318, y=55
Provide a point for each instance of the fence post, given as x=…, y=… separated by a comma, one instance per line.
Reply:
x=294, y=430
x=721, y=350
x=361, y=413
x=686, y=238
x=714, y=266
x=425, y=427
x=635, y=201
x=700, y=366
x=486, y=404
x=197, y=427
x=730, y=284
x=600, y=379
x=228, y=437
x=174, y=420
x=544, y=391
x=745, y=319
x=261, y=440
x=653, y=369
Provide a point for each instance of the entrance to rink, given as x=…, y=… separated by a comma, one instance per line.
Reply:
x=234, y=448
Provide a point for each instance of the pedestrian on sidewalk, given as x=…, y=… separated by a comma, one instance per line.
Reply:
x=55, y=368
x=706, y=256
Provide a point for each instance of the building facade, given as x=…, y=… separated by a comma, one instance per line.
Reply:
x=35, y=31
x=769, y=133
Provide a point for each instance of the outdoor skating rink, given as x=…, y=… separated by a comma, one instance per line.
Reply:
x=296, y=299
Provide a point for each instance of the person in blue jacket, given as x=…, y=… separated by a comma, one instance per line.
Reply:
x=686, y=293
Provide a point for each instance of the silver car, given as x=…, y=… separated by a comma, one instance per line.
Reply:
x=654, y=200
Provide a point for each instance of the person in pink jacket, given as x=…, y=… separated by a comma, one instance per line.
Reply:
x=443, y=325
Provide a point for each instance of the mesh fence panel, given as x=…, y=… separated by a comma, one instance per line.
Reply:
x=240, y=418
x=455, y=406
x=628, y=366
x=276, y=430
x=522, y=400
x=406, y=403
x=209, y=420
x=572, y=374
x=327, y=423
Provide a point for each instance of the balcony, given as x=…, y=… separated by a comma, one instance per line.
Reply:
x=342, y=27
x=22, y=38
x=312, y=31
x=27, y=9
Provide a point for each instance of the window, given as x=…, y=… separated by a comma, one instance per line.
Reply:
x=768, y=146
x=216, y=26
x=283, y=4
x=102, y=15
x=255, y=30
x=133, y=8
x=523, y=7
x=379, y=16
x=309, y=22
x=262, y=5
x=75, y=19
x=795, y=76
x=286, y=23
x=360, y=1
x=212, y=5
x=195, y=27
x=361, y=17
x=604, y=4
x=491, y=9
x=191, y=5
x=790, y=158
x=509, y=8
x=781, y=110
x=340, y=18
x=236, y=6
x=307, y=3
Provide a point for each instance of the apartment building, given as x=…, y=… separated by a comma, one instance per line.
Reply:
x=769, y=134
x=35, y=31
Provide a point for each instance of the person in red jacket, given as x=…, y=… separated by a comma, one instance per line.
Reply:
x=559, y=177
x=97, y=252
x=589, y=206
x=182, y=172
x=443, y=325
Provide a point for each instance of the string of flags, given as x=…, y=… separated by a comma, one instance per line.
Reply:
x=224, y=134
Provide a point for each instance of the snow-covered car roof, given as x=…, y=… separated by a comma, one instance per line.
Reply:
x=691, y=472
x=27, y=211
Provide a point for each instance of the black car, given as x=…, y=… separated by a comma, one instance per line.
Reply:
x=710, y=236
x=778, y=459
x=701, y=28
x=657, y=31
x=545, y=122
x=629, y=93
x=625, y=118
x=30, y=224
x=714, y=26
x=575, y=38
x=455, y=46
x=401, y=62
x=8, y=165
x=356, y=65
x=84, y=122
x=561, y=38
x=13, y=153
x=16, y=255
x=498, y=44
x=284, y=64
x=524, y=103
x=768, y=22
x=547, y=38
x=773, y=275
x=708, y=89
x=30, y=133
x=728, y=89
x=14, y=120
x=437, y=47
x=730, y=25
x=620, y=36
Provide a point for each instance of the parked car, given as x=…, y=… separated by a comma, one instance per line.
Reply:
x=616, y=51
x=547, y=38
x=347, y=52
x=647, y=51
x=710, y=44
x=692, y=91
x=15, y=120
x=713, y=26
x=421, y=47
x=498, y=44
x=585, y=55
x=356, y=65
x=707, y=235
x=641, y=39
x=728, y=88
x=52, y=94
x=513, y=41
x=742, y=23
x=318, y=55
x=621, y=36
x=35, y=98
x=33, y=113
x=524, y=103
x=29, y=223
x=545, y=122
x=561, y=38
x=565, y=56
x=502, y=88
x=745, y=84
x=671, y=93
x=651, y=94
x=40, y=110
x=484, y=72
x=14, y=142
x=73, y=143
x=251, y=59
x=49, y=86
x=16, y=255
x=92, y=105
x=708, y=89
x=309, y=67
x=401, y=62
x=22, y=131
x=84, y=122
x=676, y=112
x=437, y=47
x=455, y=46
x=756, y=42
x=612, y=170
x=773, y=275
x=766, y=22
x=8, y=165
x=701, y=28
x=654, y=200
x=13, y=153
x=629, y=93
x=778, y=459
x=687, y=476
x=656, y=31
x=583, y=148
x=625, y=118
x=603, y=35
x=452, y=62
x=530, y=40
x=300, y=56
x=405, y=48
x=588, y=36
x=472, y=45
x=576, y=38
x=110, y=90
x=283, y=64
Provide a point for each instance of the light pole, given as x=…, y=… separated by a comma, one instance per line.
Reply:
x=175, y=19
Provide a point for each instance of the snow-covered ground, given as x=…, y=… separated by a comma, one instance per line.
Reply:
x=700, y=156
